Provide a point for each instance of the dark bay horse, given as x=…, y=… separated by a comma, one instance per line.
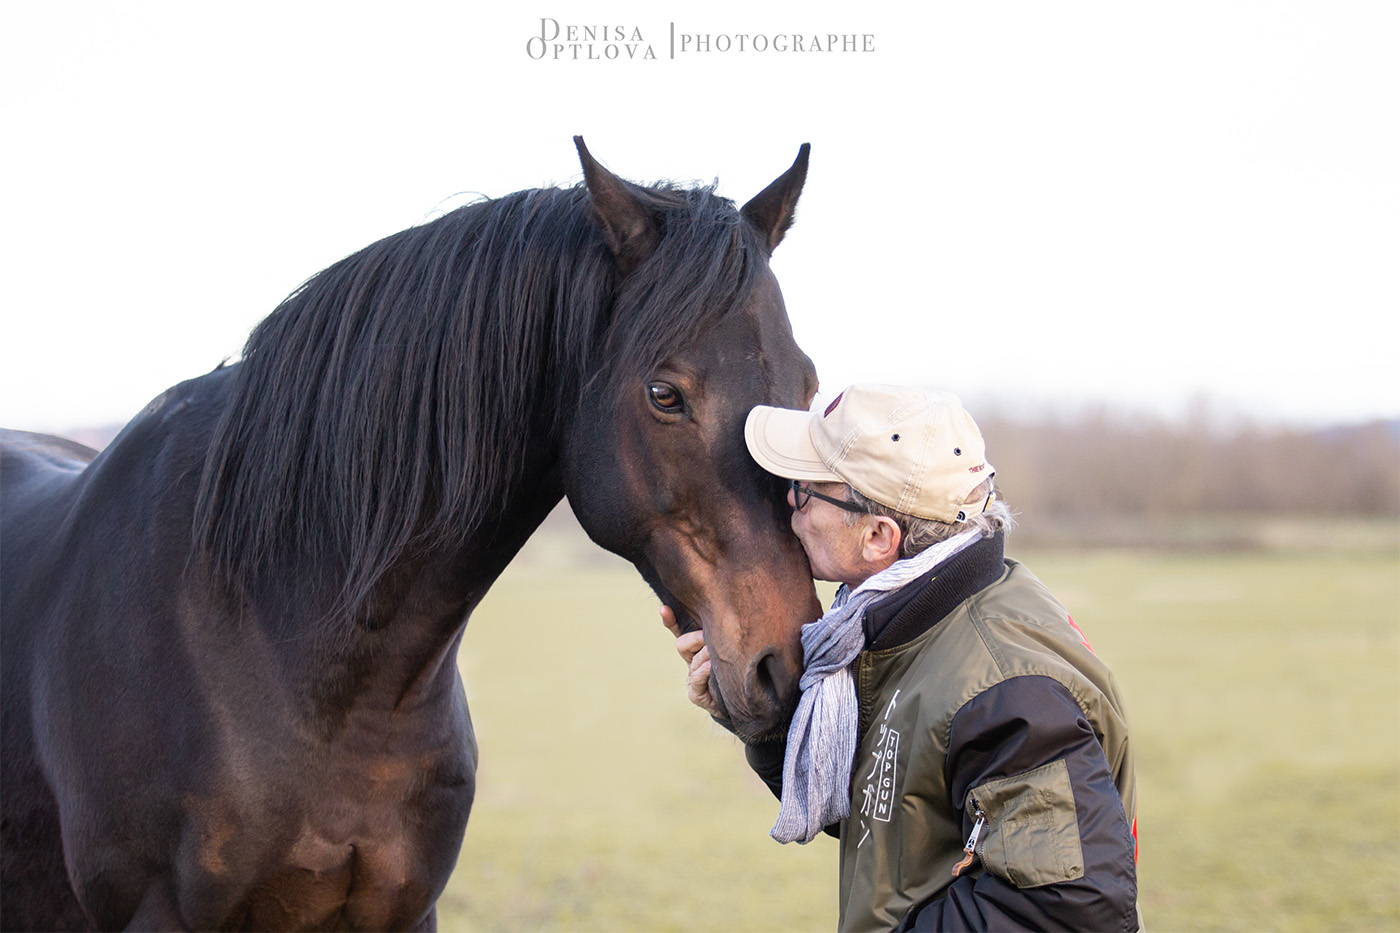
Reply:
x=230, y=695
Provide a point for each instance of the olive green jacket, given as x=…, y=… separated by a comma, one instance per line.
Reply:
x=983, y=709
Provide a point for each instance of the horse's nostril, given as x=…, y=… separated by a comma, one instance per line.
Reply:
x=768, y=681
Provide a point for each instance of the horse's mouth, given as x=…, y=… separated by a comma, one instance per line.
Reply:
x=722, y=717
x=751, y=731
x=753, y=716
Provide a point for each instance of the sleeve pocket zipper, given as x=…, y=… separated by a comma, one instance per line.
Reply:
x=970, y=849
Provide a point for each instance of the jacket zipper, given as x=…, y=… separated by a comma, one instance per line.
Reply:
x=970, y=849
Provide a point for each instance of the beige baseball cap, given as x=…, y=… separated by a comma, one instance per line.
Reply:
x=914, y=451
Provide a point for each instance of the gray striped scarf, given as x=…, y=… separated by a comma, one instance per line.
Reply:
x=821, y=743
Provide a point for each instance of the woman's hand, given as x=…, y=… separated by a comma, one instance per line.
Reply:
x=693, y=651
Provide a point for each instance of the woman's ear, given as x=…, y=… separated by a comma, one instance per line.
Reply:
x=880, y=545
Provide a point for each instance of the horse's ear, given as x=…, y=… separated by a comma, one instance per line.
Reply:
x=626, y=224
x=772, y=209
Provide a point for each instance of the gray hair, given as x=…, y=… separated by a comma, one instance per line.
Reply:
x=920, y=534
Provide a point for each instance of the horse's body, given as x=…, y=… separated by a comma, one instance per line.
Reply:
x=163, y=738
x=230, y=693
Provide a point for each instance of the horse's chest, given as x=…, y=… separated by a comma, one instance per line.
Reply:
x=381, y=883
x=364, y=843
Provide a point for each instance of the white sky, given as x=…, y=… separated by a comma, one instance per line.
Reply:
x=1137, y=204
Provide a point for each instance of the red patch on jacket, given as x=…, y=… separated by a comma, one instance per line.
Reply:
x=1082, y=640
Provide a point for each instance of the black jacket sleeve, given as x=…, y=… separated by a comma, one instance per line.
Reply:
x=766, y=760
x=1018, y=726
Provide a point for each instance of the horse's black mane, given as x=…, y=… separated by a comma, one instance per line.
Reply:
x=377, y=412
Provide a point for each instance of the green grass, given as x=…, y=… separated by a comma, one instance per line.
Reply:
x=1264, y=694
x=1265, y=703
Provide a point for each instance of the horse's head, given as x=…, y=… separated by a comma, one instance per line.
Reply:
x=656, y=467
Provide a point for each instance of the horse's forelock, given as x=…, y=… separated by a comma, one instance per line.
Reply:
x=705, y=266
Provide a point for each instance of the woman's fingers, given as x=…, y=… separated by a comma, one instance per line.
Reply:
x=668, y=619
x=696, y=655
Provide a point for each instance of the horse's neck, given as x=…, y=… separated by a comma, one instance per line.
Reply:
x=404, y=643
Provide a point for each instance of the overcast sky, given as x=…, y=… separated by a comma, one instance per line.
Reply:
x=1134, y=204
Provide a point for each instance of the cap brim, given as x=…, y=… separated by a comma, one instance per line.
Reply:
x=780, y=439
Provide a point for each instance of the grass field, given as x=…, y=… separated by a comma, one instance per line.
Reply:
x=1265, y=703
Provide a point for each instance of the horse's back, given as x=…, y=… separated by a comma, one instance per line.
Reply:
x=38, y=475
x=42, y=478
x=19, y=448
x=35, y=471
x=82, y=542
x=38, y=478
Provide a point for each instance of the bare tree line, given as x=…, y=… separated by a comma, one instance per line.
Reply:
x=1100, y=464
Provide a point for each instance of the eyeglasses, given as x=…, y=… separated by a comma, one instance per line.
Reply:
x=801, y=495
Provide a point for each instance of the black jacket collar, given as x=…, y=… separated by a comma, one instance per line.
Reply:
x=917, y=606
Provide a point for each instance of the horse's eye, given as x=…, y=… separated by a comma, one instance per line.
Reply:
x=665, y=398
